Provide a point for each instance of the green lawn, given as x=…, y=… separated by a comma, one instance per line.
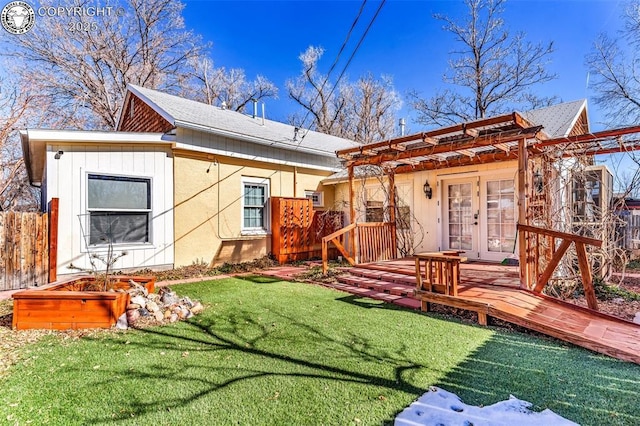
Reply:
x=277, y=353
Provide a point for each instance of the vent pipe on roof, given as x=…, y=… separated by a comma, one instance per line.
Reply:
x=263, y=113
x=255, y=108
x=402, y=124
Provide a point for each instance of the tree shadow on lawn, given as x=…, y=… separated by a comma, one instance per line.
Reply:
x=585, y=387
x=575, y=383
x=259, y=279
x=207, y=336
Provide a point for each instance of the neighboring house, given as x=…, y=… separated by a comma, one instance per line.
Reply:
x=178, y=182
x=457, y=187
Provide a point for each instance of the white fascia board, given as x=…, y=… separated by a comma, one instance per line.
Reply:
x=583, y=107
x=231, y=154
x=74, y=136
x=252, y=139
x=334, y=181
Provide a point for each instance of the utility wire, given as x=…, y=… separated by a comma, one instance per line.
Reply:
x=355, y=50
x=335, y=62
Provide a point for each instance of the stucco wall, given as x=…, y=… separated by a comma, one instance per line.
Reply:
x=427, y=213
x=208, y=209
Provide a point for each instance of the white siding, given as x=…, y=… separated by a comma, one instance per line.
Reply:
x=67, y=180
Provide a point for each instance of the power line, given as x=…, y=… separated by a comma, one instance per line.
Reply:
x=355, y=50
x=335, y=62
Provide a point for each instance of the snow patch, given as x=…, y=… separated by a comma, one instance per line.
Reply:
x=439, y=407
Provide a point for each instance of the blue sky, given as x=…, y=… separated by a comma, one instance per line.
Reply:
x=405, y=41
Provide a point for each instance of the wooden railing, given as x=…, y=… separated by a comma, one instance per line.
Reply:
x=541, y=251
x=368, y=242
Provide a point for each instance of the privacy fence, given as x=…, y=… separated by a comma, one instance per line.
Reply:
x=28, y=248
x=297, y=228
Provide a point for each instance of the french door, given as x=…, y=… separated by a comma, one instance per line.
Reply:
x=461, y=216
x=479, y=217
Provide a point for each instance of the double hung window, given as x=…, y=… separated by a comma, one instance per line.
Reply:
x=255, y=193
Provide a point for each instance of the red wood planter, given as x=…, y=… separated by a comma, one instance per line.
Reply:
x=73, y=304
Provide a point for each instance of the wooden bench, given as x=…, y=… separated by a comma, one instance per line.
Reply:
x=437, y=279
x=441, y=272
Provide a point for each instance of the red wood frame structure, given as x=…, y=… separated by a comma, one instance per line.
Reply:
x=504, y=138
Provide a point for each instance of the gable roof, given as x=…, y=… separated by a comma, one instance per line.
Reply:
x=558, y=120
x=181, y=112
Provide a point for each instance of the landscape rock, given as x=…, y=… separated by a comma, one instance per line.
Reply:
x=152, y=306
x=166, y=306
x=138, y=300
x=169, y=298
x=636, y=319
x=132, y=316
x=197, y=308
x=122, y=323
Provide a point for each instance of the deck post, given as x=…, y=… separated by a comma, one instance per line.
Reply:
x=522, y=212
x=53, y=239
x=352, y=216
x=392, y=214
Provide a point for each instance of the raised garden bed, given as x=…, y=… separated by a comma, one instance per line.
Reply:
x=74, y=303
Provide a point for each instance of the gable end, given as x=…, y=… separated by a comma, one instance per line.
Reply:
x=137, y=116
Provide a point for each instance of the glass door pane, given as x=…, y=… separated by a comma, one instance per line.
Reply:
x=460, y=216
x=501, y=217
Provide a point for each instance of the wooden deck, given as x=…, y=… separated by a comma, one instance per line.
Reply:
x=493, y=290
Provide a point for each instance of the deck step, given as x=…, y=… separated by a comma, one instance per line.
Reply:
x=377, y=285
x=382, y=275
x=404, y=301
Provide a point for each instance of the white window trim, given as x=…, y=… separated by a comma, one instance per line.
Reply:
x=85, y=247
x=320, y=194
x=267, y=213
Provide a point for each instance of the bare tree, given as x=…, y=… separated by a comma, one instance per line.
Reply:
x=363, y=111
x=15, y=192
x=85, y=71
x=615, y=72
x=229, y=88
x=492, y=71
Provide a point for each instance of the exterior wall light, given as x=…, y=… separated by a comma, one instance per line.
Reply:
x=58, y=155
x=538, y=182
x=428, y=192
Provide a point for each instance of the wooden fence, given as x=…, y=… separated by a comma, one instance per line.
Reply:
x=24, y=258
x=297, y=229
x=28, y=248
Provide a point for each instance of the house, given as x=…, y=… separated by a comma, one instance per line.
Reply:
x=457, y=187
x=178, y=182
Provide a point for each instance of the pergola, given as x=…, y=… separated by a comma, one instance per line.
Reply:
x=497, y=139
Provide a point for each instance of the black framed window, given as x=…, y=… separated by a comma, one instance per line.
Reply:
x=119, y=209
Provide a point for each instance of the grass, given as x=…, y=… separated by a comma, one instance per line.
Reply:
x=274, y=353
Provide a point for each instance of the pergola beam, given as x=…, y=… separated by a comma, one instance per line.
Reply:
x=430, y=136
x=459, y=161
x=443, y=148
x=589, y=137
